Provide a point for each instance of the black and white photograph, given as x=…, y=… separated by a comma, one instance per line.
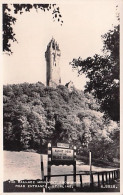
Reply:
x=61, y=96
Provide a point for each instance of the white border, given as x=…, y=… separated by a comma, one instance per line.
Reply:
x=120, y=2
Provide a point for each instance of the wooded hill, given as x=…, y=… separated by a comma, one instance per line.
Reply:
x=35, y=114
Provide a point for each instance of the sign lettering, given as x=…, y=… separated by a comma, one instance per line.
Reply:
x=62, y=145
x=62, y=154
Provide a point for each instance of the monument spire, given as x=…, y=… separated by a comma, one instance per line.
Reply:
x=52, y=56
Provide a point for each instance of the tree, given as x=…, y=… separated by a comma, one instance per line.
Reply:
x=9, y=20
x=34, y=114
x=103, y=74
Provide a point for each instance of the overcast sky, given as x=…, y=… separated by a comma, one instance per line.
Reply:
x=80, y=35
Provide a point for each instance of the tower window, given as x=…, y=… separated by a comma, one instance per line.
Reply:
x=55, y=64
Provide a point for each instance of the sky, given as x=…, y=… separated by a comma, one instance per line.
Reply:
x=79, y=36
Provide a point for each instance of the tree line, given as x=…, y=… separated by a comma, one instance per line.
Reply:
x=34, y=114
x=103, y=73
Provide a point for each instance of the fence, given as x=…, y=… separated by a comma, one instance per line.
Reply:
x=97, y=179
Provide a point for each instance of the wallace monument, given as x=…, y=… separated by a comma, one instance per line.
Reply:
x=52, y=56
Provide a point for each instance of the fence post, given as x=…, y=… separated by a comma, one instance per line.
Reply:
x=92, y=183
x=112, y=175
x=45, y=179
x=118, y=173
x=109, y=177
x=106, y=178
x=81, y=181
x=103, y=179
x=65, y=181
x=74, y=167
x=98, y=180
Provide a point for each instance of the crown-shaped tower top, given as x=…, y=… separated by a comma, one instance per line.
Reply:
x=53, y=44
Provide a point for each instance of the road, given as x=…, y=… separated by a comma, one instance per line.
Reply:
x=26, y=165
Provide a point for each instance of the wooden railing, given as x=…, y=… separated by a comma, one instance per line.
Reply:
x=104, y=177
x=107, y=177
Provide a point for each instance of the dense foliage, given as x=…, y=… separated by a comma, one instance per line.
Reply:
x=34, y=113
x=9, y=19
x=103, y=74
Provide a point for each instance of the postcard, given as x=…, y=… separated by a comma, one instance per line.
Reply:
x=61, y=96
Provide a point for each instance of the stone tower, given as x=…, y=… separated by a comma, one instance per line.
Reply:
x=52, y=56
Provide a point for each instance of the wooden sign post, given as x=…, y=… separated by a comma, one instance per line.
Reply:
x=91, y=182
x=74, y=167
x=42, y=167
x=41, y=161
x=49, y=162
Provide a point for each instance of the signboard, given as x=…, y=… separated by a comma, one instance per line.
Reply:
x=62, y=145
x=62, y=154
